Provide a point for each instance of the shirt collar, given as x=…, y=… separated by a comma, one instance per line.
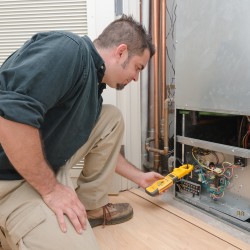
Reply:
x=98, y=61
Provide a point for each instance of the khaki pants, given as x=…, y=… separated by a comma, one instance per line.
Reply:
x=25, y=220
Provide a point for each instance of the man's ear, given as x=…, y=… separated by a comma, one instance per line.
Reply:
x=121, y=51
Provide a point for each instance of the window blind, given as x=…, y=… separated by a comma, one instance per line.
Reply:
x=20, y=19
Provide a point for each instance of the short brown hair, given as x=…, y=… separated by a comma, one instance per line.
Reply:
x=128, y=31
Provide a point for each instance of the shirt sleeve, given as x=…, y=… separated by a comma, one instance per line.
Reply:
x=37, y=76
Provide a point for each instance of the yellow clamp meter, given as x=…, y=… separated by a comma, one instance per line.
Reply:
x=165, y=183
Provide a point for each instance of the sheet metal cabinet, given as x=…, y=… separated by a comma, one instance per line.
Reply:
x=212, y=65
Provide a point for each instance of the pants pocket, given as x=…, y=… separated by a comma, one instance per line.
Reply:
x=21, y=221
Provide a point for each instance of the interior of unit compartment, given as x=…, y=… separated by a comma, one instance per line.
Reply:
x=218, y=184
x=214, y=127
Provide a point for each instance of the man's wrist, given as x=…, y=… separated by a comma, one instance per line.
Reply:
x=45, y=182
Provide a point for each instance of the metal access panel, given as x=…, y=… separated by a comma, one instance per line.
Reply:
x=213, y=55
x=213, y=106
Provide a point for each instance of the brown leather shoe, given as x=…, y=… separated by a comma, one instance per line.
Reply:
x=110, y=214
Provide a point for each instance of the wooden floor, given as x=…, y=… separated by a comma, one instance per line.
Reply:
x=155, y=227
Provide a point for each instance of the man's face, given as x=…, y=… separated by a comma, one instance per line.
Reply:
x=127, y=69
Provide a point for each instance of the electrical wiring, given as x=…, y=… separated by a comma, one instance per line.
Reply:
x=229, y=168
x=245, y=138
x=222, y=156
x=215, y=196
x=216, y=192
x=203, y=152
x=180, y=161
x=215, y=177
x=240, y=130
x=179, y=188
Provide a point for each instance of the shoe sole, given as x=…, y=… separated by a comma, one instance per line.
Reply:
x=99, y=222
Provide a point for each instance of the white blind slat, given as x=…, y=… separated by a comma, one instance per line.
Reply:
x=20, y=19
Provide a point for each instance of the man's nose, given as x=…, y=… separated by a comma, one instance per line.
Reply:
x=135, y=78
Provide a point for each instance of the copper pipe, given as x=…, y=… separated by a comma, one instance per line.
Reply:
x=164, y=101
x=156, y=81
x=151, y=77
x=163, y=55
x=151, y=85
x=166, y=134
x=166, y=131
x=151, y=80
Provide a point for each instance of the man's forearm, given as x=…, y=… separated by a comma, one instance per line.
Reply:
x=22, y=145
x=127, y=170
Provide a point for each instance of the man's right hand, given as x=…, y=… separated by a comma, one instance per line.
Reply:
x=64, y=201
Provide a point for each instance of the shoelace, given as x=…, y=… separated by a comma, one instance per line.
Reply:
x=106, y=213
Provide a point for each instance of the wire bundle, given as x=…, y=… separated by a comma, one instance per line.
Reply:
x=214, y=174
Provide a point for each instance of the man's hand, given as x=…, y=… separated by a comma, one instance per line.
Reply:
x=63, y=200
x=149, y=178
x=127, y=170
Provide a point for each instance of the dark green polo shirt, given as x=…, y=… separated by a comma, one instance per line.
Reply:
x=53, y=83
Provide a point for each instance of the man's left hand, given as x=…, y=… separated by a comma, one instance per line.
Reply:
x=149, y=178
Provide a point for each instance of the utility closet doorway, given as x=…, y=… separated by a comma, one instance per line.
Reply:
x=135, y=100
x=128, y=101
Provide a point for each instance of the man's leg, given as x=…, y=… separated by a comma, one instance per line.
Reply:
x=28, y=224
x=100, y=154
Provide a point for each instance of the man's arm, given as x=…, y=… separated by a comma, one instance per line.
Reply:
x=127, y=170
x=22, y=145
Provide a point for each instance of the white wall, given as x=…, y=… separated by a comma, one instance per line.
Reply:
x=129, y=102
x=100, y=14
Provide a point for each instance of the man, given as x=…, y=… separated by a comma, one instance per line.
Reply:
x=51, y=116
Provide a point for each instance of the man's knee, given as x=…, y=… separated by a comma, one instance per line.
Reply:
x=113, y=114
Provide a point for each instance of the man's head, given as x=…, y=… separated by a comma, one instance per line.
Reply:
x=126, y=48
